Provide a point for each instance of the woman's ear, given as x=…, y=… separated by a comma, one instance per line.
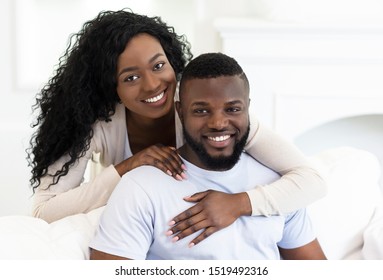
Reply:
x=179, y=110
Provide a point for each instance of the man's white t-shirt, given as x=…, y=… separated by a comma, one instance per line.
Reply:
x=139, y=210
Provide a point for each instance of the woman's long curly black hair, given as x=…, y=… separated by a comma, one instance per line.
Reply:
x=83, y=89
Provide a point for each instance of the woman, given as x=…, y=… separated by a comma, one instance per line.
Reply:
x=107, y=100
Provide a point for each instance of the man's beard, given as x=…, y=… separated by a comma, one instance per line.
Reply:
x=219, y=163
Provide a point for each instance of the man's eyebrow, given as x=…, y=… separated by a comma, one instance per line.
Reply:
x=234, y=102
x=231, y=103
x=200, y=103
x=133, y=68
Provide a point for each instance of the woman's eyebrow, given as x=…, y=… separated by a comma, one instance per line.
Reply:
x=127, y=69
x=133, y=68
x=155, y=57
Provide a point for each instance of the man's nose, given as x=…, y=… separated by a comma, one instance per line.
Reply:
x=218, y=121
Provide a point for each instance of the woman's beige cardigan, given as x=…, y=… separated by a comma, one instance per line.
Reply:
x=299, y=185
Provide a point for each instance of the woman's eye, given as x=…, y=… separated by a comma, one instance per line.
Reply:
x=200, y=111
x=158, y=66
x=131, y=78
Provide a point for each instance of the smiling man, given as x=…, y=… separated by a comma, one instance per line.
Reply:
x=214, y=110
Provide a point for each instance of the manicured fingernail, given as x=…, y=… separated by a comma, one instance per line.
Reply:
x=175, y=239
x=178, y=177
x=169, y=232
x=171, y=223
x=183, y=175
x=169, y=173
x=191, y=245
x=183, y=166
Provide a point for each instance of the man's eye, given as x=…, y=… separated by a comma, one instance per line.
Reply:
x=233, y=109
x=158, y=66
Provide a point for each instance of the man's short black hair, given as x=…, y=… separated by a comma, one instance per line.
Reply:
x=212, y=65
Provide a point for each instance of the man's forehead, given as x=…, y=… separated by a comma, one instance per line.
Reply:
x=218, y=87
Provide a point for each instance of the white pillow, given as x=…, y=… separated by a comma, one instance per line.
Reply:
x=373, y=237
x=353, y=194
x=23, y=237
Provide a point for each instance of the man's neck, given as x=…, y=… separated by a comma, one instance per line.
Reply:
x=186, y=152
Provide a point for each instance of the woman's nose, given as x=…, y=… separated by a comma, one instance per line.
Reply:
x=151, y=82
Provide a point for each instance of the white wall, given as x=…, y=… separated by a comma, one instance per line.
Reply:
x=14, y=126
x=34, y=34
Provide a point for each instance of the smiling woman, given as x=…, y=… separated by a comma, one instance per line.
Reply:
x=97, y=108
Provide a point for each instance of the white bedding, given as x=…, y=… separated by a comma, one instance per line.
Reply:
x=373, y=237
x=23, y=237
x=341, y=218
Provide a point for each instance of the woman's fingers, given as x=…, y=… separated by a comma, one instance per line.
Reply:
x=168, y=160
x=162, y=157
x=205, y=234
x=213, y=212
x=202, y=224
x=196, y=197
x=180, y=219
x=187, y=226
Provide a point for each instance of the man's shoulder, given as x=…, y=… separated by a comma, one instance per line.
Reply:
x=146, y=173
x=148, y=177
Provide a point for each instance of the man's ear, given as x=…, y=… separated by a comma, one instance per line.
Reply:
x=179, y=110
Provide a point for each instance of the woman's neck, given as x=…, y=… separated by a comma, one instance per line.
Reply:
x=141, y=122
x=144, y=132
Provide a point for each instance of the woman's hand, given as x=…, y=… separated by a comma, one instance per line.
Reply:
x=214, y=211
x=163, y=157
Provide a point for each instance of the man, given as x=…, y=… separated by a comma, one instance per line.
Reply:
x=213, y=108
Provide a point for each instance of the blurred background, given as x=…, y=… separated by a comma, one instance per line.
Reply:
x=315, y=67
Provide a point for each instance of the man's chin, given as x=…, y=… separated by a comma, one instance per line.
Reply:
x=219, y=163
x=216, y=156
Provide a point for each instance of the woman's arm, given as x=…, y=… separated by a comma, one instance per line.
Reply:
x=70, y=196
x=300, y=183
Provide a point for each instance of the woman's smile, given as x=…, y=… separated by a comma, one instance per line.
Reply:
x=155, y=98
x=156, y=101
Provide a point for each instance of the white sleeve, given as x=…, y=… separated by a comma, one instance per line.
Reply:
x=300, y=184
x=126, y=224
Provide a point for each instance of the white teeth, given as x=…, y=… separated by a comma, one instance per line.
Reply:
x=154, y=99
x=219, y=138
